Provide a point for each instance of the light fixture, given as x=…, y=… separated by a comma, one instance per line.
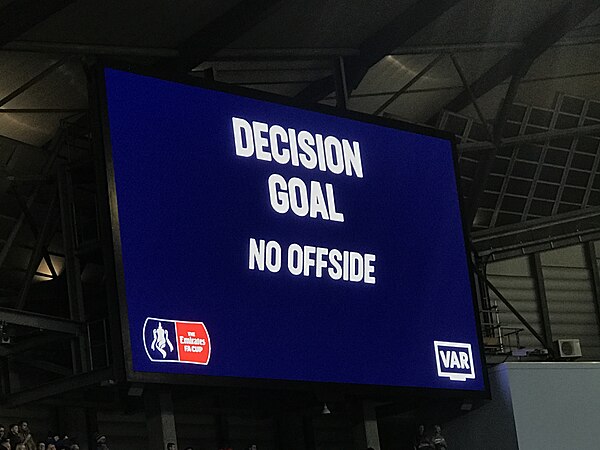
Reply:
x=325, y=409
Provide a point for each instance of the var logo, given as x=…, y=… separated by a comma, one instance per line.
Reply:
x=454, y=360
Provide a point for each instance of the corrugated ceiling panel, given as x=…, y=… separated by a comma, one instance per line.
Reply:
x=515, y=281
x=571, y=299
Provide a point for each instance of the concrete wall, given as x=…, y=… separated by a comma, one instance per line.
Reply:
x=535, y=406
x=556, y=405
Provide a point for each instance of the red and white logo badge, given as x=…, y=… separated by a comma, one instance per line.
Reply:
x=176, y=341
x=193, y=342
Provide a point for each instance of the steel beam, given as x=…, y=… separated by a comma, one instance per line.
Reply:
x=40, y=321
x=531, y=80
x=510, y=168
x=72, y=267
x=567, y=165
x=34, y=230
x=40, y=110
x=540, y=285
x=538, y=167
x=108, y=249
x=4, y=376
x=486, y=162
x=484, y=46
x=341, y=87
x=57, y=387
x=545, y=233
x=76, y=48
x=242, y=17
x=20, y=16
x=592, y=261
x=471, y=95
x=538, y=41
x=14, y=142
x=590, y=183
x=253, y=54
x=46, y=366
x=408, y=85
x=36, y=341
x=54, y=147
x=398, y=30
x=45, y=234
x=517, y=314
x=269, y=54
x=542, y=224
x=32, y=82
x=531, y=138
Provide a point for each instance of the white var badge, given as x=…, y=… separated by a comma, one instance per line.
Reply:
x=454, y=360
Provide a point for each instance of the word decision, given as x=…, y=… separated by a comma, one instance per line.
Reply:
x=311, y=151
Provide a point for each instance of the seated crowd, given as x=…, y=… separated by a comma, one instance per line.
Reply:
x=19, y=437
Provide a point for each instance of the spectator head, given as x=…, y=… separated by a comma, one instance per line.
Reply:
x=170, y=446
x=421, y=429
x=14, y=428
x=99, y=438
x=41, y=446
x=51, y=446
x=2, y=431
x=437, y=429
x=74, y=447
x=24, y=426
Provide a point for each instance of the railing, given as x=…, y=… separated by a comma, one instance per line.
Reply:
x=498, y=339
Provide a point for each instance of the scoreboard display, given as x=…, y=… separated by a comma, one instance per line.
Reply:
x=261, y=241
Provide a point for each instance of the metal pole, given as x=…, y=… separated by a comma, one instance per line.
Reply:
x=540, y=285
x=531, y=138
x=408, y=85
x=341, y=88
x=72, y=267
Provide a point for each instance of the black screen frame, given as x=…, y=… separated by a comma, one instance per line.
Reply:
x=102, y=143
